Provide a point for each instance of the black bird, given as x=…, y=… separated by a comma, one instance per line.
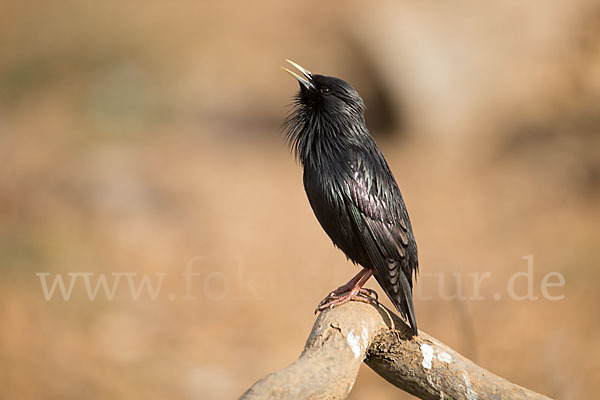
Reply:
x=351, y=190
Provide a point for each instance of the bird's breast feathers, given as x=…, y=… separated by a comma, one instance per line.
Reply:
x=360, y=191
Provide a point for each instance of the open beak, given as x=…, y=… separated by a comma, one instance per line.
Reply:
x=306, y=81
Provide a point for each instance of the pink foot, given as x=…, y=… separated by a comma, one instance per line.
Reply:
x=352, y=290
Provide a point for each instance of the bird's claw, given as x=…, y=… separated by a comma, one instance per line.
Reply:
x=333, y=299
x=369, y=293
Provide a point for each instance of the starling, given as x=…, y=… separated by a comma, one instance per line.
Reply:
x=351, y=190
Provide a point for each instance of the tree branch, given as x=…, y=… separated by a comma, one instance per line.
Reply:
x=344, y=336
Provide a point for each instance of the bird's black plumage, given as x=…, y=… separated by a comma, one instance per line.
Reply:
x=350, y=186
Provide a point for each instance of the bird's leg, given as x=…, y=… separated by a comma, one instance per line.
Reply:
x=348, y=286
x=353, y=290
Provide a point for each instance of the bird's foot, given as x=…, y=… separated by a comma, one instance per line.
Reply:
x=336, y=298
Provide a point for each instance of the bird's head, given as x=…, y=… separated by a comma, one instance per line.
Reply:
x=326, y=95
x=324, y=108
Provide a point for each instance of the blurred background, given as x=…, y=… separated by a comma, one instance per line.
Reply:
x=143, y=138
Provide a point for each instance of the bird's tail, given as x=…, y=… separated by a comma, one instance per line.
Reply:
x=402, y=299
x=405, y=303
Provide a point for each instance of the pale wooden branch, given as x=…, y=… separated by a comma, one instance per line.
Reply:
x=343, y=337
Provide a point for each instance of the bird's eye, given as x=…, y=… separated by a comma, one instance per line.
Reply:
x=325, y=90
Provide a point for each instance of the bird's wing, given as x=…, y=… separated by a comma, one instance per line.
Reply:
x=376, y=207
